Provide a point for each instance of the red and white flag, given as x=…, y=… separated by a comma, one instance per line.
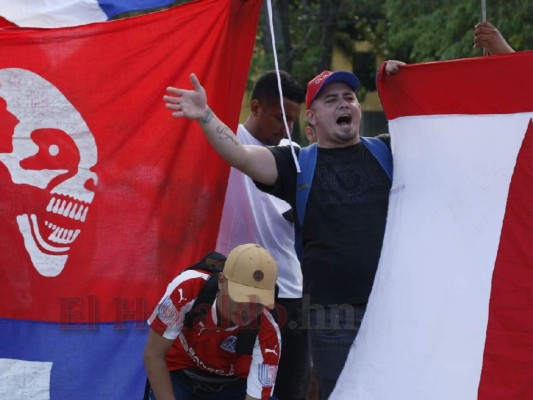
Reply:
x=451, y=312
x=105, y=196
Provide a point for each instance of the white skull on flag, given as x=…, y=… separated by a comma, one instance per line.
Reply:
x=50, y=149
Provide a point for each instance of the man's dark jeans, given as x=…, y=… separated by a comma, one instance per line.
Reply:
x=331, y=335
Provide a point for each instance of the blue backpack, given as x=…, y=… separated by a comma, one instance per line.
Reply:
x=304, y=179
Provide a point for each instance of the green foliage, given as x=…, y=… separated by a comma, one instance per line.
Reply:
x=315, y=25
x=412, y=30
x=422, y=30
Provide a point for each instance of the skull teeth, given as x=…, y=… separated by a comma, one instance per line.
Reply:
x=62, y=235
x=68, y=209
x=72, y=214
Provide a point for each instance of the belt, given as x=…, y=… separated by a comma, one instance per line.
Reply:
x=204, y=383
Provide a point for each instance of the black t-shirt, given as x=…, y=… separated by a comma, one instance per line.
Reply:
x=344, y=222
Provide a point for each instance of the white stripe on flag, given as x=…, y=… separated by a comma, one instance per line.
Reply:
x=24, y=380
x=51, y=14
x=424, y=332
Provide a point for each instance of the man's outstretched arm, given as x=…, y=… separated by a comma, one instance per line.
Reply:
x=255, y=161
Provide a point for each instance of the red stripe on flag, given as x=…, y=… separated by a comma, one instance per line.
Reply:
x=507, y=371
x=4, y=23
x=468, y=86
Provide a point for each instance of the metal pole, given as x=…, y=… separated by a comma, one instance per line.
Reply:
x=484, y=18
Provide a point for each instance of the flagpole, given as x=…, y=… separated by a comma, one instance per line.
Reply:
x=484, y=18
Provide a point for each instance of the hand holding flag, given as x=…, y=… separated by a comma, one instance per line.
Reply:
x=392, y=67
x=488, y=37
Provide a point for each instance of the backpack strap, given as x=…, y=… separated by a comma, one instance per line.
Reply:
x=381, y=153
x=211, y=262
x=304, y=179
x=205, y=299
x=307, y=161
x=246, y=339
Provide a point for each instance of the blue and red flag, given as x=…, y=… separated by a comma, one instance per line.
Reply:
x=105, y=197
x=60, y=13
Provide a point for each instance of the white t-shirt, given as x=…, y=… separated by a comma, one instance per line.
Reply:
x=252, y=216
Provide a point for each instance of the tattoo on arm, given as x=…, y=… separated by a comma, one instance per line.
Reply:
x=208, y=116
x=224, y=133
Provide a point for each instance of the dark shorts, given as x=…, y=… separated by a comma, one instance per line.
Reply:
x=195, y=385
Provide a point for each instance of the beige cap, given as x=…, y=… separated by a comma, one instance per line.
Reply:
x=251, y=273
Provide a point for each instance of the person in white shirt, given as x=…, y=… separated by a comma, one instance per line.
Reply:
x=252, y=216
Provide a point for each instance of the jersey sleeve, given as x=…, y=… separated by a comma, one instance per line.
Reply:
x=167, y=317
x=265, y=359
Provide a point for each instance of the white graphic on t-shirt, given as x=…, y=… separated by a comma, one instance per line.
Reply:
x=180, y=291
x=202, y=328
x=272, y=350
x=167, y=312
x=50, y=158
x=267, y=374
x=229, y=344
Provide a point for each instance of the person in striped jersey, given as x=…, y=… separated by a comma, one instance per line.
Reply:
x=211, y=354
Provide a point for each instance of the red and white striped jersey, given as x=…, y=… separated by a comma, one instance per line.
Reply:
x=208, y=347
